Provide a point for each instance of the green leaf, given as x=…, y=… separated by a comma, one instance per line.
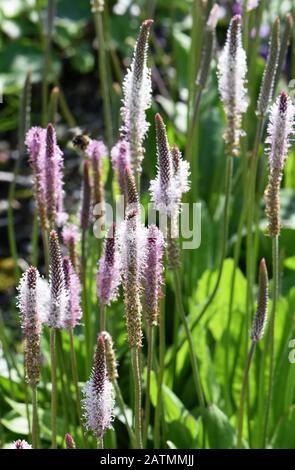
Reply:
x=221, y=434
x=15, y=423
x=182, y=426
x=284, y=435
x=289, y=263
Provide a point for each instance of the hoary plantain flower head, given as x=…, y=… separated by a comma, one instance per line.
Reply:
x=232, y=71
x=137, y=90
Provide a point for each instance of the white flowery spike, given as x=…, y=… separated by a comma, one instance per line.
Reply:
x=132, y=244
x=172, y=176
x=31, y=298
x=59, y=296
x=20, y=444
x=279, y=131
x=181, y=172
x=98, y=402
x=232, y=71
x=137, y=89
x=42, y=296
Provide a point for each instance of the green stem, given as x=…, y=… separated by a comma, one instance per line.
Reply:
x=35, y=236
x=34, y=418
x=10, y=221
x=123, y=410
x=243, y=394
x=54, y=387
x=176, y=322
x=45, y=251
x=195, y=50
x=150, y=341
x=271, y=333
x=47, y=38
x=76, y=381
x=193, y=358
x=237, y=252
x=192, y=125
x=104, y=81
x=53, y=106
x=64, y=108
x=162, y=343
x=228, y=184
x=102, y=317
x=100, y=443
x=250, y=204
x=85, y=301
x=137, y=397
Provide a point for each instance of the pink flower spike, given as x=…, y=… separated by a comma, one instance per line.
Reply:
x=120, y=160
x=153, y=278
x=133, y=259
x=85, y=215
x=137, y=90
x=70, y=234
x=279, y=131
x=58, y=292
x=35, y=142
x=33, y=300
x=96, y=150
x=232, y=72
x=70, y=443
x=172, y=176
x=108, y=273
x=98, y=402
x=73, y=313
x=54, y=178
x=21, y=444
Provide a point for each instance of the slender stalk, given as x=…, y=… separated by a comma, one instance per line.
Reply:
x=85, y=301
x=53, y=105
x=237, y=252
x=34, y=418
x=104, y=79
x=102, y=317
x=250, y=219
x=195, y=52
x=137, y=397
x=162, y=343
x=45, y=251
x=150, y=341
x=75, y=380
x=123, y=410
x=191, y=149
x=35, y=235
x=243, y=394
x=271, y=333
x=62, y=373
x=100, y=443
x=47, y=39
x=64, y=108
x=54, y=387
x=24, y=124
x=10, y=222
x=193, y=123
x=176, y=322
x=194, y=364
x=228, y=184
